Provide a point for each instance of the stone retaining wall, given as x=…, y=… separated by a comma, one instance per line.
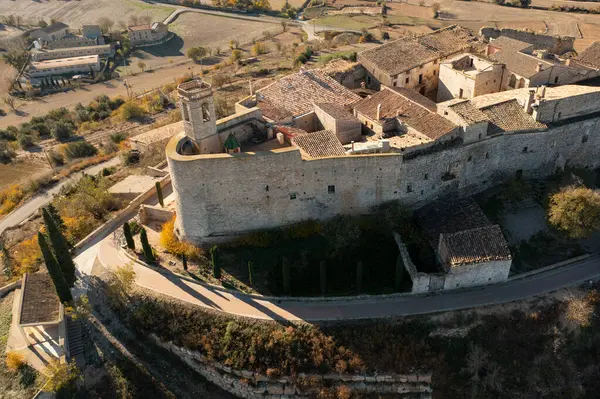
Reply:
x=250, y=385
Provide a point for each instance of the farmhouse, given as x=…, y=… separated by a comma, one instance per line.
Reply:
x=414, y=63
x=148, y=33
x=56, y=31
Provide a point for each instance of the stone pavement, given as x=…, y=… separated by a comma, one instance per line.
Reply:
x=352, y=308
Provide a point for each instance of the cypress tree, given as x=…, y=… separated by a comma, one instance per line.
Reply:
x=57, y=218
x=159, y=194
x=287, y=276
x=128, y=236
x=214, y=259
x=359, y=276
x=399, y=273
x=250, y=277
x=146, y=248
x=184, y=261
x=323, y=277
x=62, y=288
x=60, y=247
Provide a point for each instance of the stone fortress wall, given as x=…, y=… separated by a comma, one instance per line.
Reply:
x=223, y=195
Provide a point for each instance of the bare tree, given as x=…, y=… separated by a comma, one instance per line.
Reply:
x=105, y=24
x=10, y=101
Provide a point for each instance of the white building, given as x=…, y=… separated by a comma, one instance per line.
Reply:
x=145, y=34
x=65, y=66
x=52, y=32
x=105, y=50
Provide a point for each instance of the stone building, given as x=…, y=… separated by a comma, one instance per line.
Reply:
x=56, y=31
x=469, y=249
x=147, y=34
x=414, y=63
x=468, y=76
x=91, y=32
x=279, y=178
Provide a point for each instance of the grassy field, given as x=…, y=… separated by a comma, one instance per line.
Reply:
x=18, y=172
x=76, y=13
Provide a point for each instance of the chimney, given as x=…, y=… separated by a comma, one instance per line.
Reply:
x=538, y=68
x=529, y=101
x=251, y=88
x=352, y=142
x=378, y=111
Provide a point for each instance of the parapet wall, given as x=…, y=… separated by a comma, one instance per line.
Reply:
x=222, y=195
x=250, y=385
x=554, y=44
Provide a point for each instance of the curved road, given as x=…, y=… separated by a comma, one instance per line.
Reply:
x=351, y=309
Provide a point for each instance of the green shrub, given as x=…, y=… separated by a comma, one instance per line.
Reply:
x=79, y=149
x=62, y=130
x=25, y=141
x=118, y=137
x=130, y=110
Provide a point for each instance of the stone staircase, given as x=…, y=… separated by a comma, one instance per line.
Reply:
x=74, y=338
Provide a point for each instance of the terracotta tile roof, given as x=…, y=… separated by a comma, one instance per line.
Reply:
x=40, y=301
x=478, y=245
x=272, y=111
x=337, y=112
x=450, y=216
x=509, y=116
x=468, y=112
x=512, y=56
x=590, y=56
x=409, y=107
x=407, y=53
x=297, y=93
x=319, y=144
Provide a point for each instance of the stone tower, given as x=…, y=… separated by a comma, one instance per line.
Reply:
x=198, y=111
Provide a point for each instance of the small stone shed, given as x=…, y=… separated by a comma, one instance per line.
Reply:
x=41, y=317
x=470, y=250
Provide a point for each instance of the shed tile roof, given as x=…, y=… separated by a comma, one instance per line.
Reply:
x=511, y=54
x=297, y=93
x=40, y=301
x=468, y=112
x=509, y=116
x=407, y=53
x=478, y=245
x=590, y=56
x=319, y=144
x=408, y=106
x=272, y=111
x=450, y=216
x=55, y=27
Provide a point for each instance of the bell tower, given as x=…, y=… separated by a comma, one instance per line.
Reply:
x=198, y=112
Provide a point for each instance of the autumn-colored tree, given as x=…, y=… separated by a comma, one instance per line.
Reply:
x=576, y=211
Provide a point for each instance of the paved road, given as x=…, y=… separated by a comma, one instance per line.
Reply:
x=34, y=203
x=375, y=307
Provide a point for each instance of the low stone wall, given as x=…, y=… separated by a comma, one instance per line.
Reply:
x=250, y=385
x=149, y=213
x=420, y=280
x=121, y=216
x=370, y=10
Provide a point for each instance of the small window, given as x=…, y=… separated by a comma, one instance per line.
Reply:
x=205, y=112
x=584, y=139
x=331, y=189
x=435, y=62
x=479, y=135
x=425, y=176
x=267, y=188
x=293, y=196
x=470, y=158
x=556, y=80
x=434, y=72
x=420, y=78
x=445, y=112
x=409, y=188
x=559, y=114
x=460, y=93
x=407, y=80
x=524, y=150
x=487, y=155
